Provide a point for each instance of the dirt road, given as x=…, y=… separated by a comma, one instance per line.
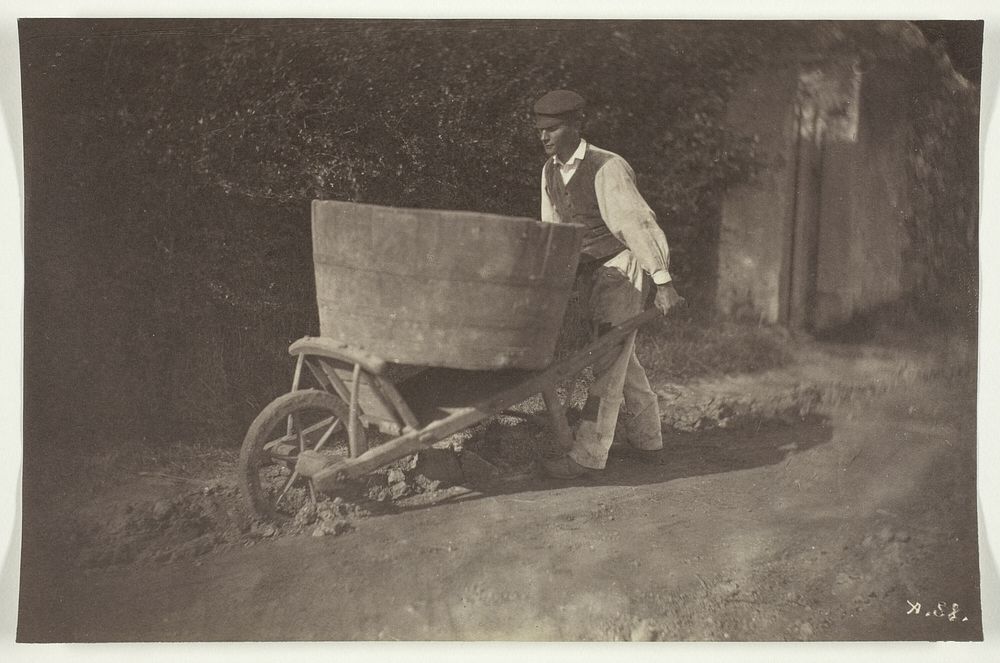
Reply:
x=831, y=528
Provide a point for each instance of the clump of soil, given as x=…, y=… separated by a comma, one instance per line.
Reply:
x=153, y=517
x=190, y=521
x=326, y=517
x=434, y=471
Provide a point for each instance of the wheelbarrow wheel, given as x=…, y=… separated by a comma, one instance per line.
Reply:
x=299, y=420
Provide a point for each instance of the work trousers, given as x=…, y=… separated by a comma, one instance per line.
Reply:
x=617, y=293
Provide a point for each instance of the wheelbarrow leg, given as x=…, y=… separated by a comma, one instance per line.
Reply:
x=557, y=418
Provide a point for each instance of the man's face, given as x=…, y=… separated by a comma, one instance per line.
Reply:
x=562, y=139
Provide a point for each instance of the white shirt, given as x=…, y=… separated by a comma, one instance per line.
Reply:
x=626, y=214
x=567, y=169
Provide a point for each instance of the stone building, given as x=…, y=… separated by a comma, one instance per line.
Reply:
x=821, y=234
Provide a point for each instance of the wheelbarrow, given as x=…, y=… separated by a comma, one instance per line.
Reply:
x=314, y=439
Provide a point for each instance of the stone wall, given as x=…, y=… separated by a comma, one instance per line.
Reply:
x=820, y=236
x=756, y=219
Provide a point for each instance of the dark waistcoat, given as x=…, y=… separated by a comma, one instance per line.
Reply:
x=576, y=202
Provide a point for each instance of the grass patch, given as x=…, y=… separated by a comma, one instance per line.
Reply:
x=682, y=347
x=688, y=343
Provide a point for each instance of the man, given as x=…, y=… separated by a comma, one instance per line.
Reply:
x=626, y=249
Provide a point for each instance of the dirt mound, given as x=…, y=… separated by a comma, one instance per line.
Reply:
x=160, y=520
x=188, y=522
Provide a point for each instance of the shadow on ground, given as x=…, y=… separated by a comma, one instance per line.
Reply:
x=687, y=455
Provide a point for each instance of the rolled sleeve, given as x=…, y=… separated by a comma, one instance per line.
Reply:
x=630, y=219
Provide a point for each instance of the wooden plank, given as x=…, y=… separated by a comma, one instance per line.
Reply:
x=317, y=371
x=493, y=295
x=295, y=386
x=328, y=377
x=372, y=404
x=330, y=380
x=397, y=400
x=353, y=425
x=387, y=407
x=298, y=372
x=335, y=381
x=327, y=347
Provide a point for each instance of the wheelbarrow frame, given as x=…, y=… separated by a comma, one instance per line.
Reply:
x=369, y=387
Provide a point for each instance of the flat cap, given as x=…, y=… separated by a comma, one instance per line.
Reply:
x=556, y=106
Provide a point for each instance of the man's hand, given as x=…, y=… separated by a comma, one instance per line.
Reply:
x=667, y=298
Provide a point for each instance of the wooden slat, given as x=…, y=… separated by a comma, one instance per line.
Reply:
x=373, y=383
x=397, y=400
x=372, y=404
x=298, y=372
x=353, y=424
x=316, y=369
x=492, y=294
x=338, y=384
x=378, y=411
x=326, y=347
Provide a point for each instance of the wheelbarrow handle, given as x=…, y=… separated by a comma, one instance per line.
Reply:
x=582, y=358
x=637, y=321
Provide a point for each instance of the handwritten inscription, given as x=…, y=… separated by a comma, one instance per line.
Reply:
x=940, y=610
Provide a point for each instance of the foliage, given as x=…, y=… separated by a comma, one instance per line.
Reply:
x=683, y=347
x=170, y=167
x=944, y=167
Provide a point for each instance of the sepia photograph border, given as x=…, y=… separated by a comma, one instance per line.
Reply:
x=11, y=285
